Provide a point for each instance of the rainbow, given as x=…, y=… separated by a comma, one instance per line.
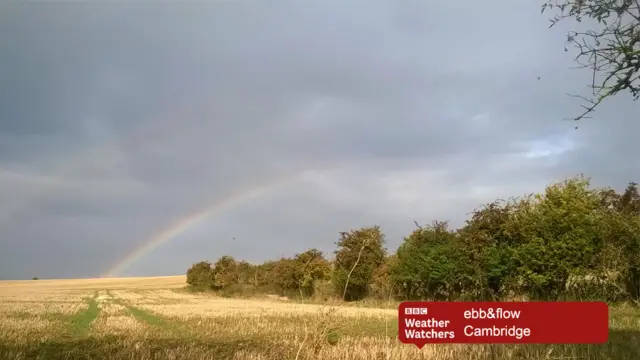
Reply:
x=192, y=219
x=163, y=126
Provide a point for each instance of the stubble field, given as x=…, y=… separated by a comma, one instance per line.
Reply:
x=154, y=318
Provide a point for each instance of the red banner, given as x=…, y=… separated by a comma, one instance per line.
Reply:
x=423, y=323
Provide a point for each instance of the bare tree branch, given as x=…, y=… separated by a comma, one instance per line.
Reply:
x=610, y=49
x=346, y=284
x=418, y=225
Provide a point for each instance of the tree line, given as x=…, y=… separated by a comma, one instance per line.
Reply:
x=571, y=241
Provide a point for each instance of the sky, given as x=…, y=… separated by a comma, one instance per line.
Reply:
x=120, y=119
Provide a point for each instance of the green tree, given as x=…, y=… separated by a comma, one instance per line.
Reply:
x=225, y=272
x=299, y=275
x=359, y=254
x=629, y=202
x=429, y=264
x=245, y=273
x=382, y=286
x=283, y=276
x=264, y=273
x=557, y=236
x=626, y=238
x=309, y=267
x=610, y=47
x=618, y=269
x=200, y=274
x=487, y=248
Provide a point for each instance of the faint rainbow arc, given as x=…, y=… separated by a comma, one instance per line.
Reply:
x=187, y=222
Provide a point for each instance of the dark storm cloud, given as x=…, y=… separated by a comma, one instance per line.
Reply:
x=118, y=119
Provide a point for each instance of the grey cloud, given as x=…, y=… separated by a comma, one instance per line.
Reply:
x=118, y=119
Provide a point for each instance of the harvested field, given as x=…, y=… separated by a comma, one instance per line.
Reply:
x=150, y=318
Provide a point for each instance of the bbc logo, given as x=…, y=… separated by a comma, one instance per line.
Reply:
x=415, y=311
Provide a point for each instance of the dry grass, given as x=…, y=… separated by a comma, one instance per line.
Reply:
x=159, y=282
x=142, y=318
x=115, y=318
x=191, y=308
x=41, y=308
x=22, y=330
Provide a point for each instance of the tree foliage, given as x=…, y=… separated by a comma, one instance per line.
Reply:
x=570, y=241
x=225, y=272
x=200, y=274
x=609, y=44
x=428, y=264
x=310, y=267
x=556, y=238
x=359, y=254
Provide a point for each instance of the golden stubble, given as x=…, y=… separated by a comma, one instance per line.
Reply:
x=159, y=282
x=143, y=312
x=191, y=307
x=21, y=330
